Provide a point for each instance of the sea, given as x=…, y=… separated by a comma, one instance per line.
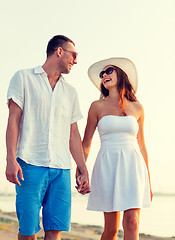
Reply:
x=158, y=220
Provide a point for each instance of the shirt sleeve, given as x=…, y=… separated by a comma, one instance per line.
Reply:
x=16, y=90
x=76, y=112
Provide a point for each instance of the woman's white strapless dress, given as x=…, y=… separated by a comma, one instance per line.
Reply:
x=120, y=177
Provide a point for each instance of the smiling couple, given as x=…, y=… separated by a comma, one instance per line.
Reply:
x=42, y=131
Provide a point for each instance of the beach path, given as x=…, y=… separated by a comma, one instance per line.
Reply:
x=9, y=231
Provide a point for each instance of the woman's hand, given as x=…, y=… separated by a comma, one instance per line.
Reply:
x=82, y=183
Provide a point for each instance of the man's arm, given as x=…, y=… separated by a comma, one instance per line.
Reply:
x=13, y=168
x=78, y=156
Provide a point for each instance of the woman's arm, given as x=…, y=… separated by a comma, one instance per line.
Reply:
x=142, y=146
x=89, y=131
x=78, y=156
x=91, y=125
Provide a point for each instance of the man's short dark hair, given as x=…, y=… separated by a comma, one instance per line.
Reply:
x=55, y=42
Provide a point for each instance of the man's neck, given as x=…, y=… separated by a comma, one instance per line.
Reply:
x=53, y=74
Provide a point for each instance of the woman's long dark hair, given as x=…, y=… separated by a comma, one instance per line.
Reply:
x=124, y=87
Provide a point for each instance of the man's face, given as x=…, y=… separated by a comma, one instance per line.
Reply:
x=68, y=58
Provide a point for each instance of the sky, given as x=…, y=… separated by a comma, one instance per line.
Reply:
x=143, y=31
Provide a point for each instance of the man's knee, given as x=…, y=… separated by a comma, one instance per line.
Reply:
x=22, y=237
x=52, y=235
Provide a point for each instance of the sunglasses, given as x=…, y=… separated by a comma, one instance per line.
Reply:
x=74, y=54
x=108, y=71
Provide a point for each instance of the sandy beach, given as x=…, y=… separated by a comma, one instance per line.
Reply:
x=9, y=230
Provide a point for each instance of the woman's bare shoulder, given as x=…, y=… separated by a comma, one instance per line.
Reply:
x=139, y=109
x=97, y=104
x=138, y=106
x=96, y=107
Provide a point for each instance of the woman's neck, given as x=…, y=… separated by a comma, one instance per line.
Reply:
x=113, y=95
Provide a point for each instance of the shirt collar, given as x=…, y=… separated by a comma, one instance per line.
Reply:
x=39, y=70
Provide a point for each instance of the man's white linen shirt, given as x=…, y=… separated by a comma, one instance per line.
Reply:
x=46, y=119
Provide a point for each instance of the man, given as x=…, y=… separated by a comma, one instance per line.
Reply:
x=42, y=131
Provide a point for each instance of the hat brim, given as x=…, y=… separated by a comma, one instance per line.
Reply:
x=125, y=64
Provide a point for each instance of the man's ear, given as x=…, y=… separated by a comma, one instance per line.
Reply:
x=59, y=51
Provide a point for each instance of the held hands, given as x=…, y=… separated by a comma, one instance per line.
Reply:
x=12, y=170
x=82, y=181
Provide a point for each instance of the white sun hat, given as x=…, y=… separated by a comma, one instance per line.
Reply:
x=124, y=63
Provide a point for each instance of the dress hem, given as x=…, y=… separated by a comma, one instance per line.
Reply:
x=119, y=210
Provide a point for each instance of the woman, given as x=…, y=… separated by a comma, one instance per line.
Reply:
x=120, y=179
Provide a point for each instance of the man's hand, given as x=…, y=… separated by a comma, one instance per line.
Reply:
x=82, y=182
x=12, y=170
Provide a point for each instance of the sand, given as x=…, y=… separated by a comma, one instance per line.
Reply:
x=9, y=231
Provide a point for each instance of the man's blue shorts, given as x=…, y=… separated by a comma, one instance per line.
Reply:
x=45, y=187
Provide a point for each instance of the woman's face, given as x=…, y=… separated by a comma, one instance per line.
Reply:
x=108, y=77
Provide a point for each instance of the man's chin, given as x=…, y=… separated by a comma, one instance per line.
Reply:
x=66, y=71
